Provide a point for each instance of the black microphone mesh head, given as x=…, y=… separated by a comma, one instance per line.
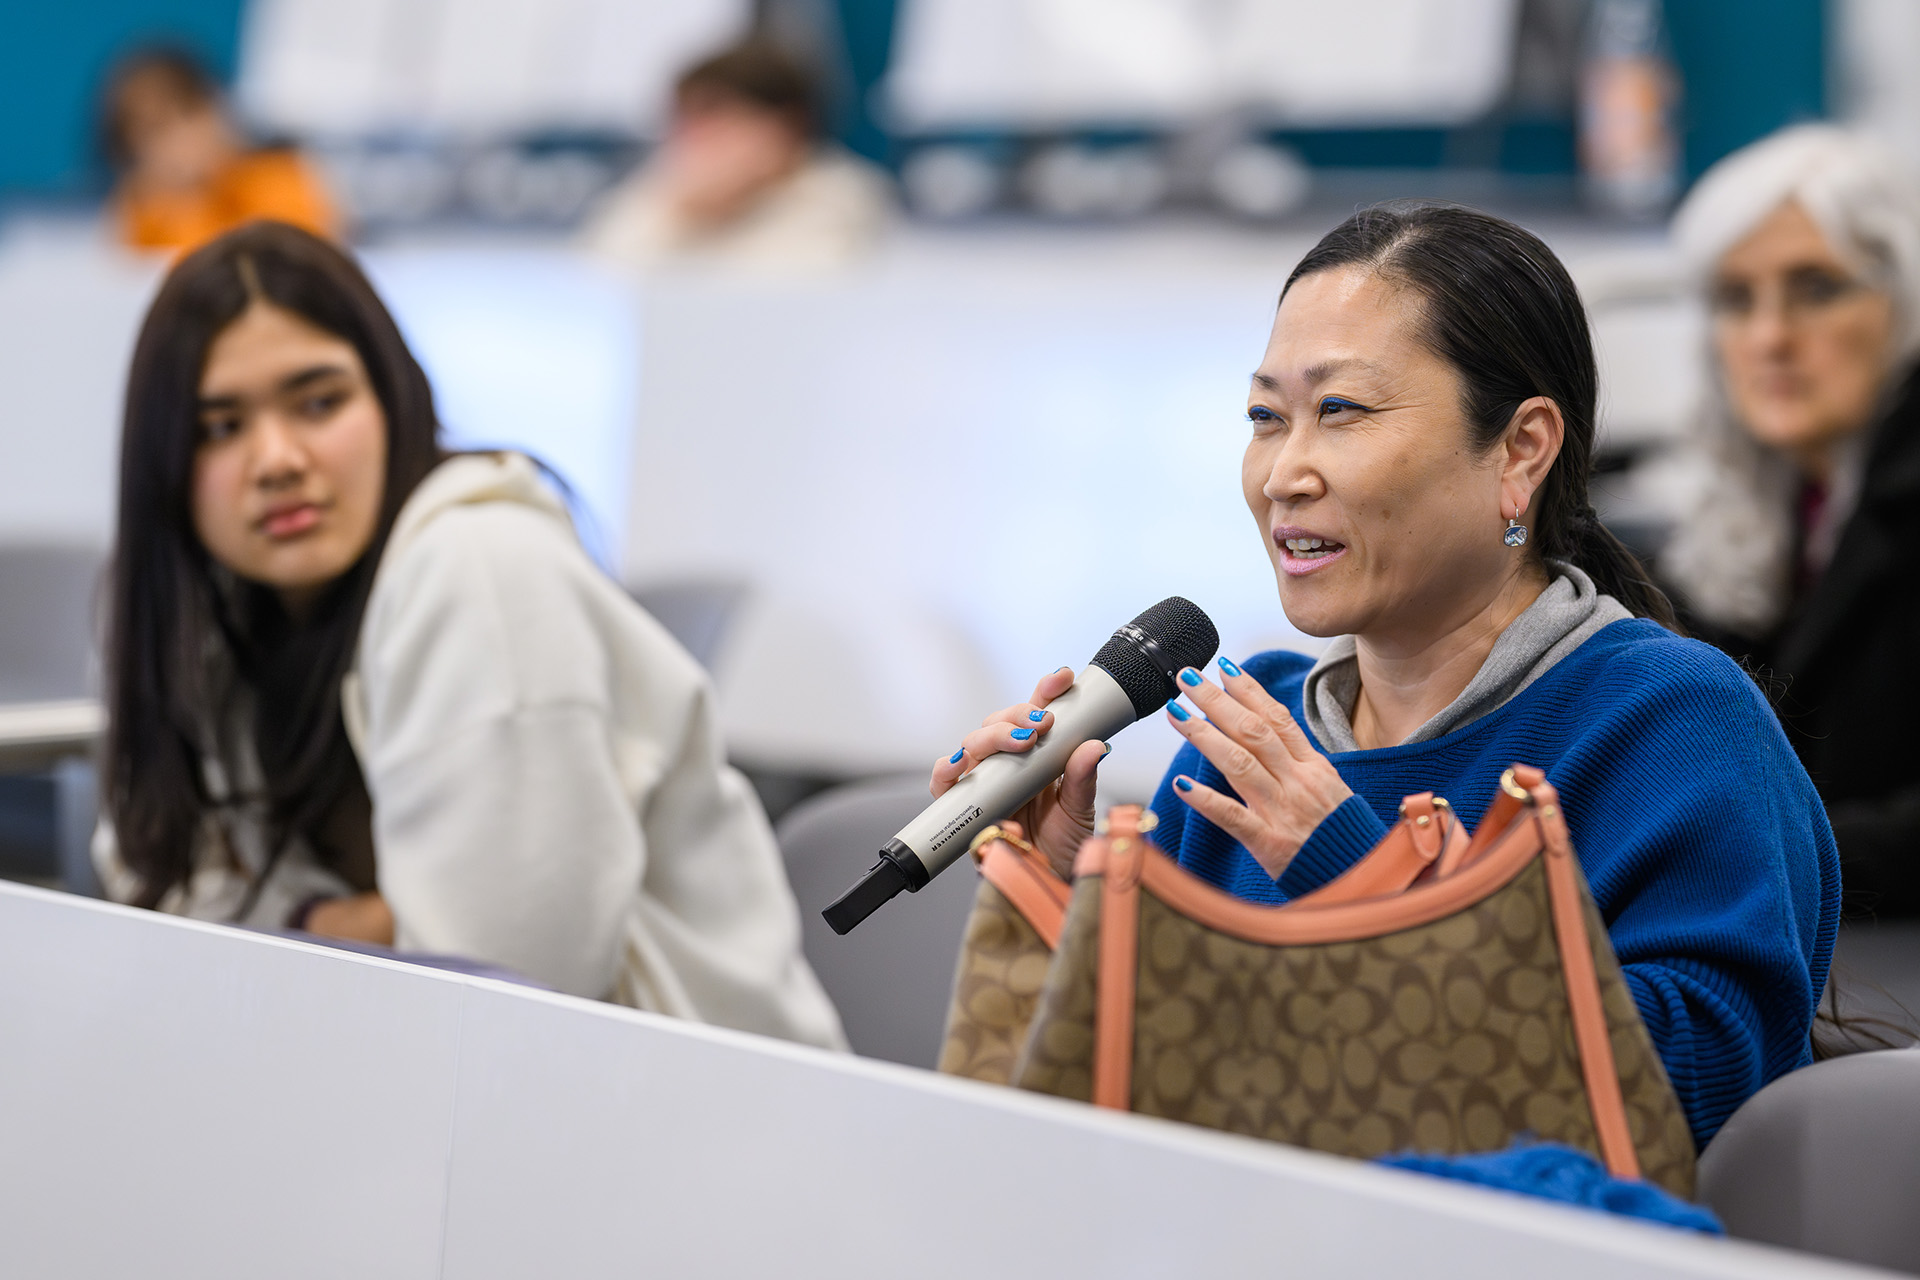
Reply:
x=1145, y=655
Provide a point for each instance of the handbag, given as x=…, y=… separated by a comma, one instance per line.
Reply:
x=1446, y=995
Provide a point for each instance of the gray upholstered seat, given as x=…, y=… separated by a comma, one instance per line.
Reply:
x=48, y=593
x=46, y=621
x=1826, y=1159
x=891, y=977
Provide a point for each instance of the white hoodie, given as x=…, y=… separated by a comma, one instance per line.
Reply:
x=550, y=792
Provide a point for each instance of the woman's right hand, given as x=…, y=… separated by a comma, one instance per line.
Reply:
x=1060, y=818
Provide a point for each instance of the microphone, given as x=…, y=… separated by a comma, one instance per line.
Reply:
x=1132, y=675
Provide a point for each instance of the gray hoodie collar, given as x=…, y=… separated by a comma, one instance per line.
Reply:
x=1565, y=616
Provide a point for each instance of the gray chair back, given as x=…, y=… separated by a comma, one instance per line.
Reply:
x=46, y=621
x=47, y=654
x=892, y=976
x=695, y=611
x=1826, y=1159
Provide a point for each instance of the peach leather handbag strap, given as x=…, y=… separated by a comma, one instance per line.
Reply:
x=1587, y=1008
x=1115, y=979
x=1426, y=833
x=1021, y=873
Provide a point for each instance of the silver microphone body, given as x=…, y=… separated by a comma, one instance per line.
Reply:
x=1133, y=674
x=1093, y=709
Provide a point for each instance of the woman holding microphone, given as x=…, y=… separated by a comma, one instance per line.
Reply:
x=369, y=689
x=1420, y=438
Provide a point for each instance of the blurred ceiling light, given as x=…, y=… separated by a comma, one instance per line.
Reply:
x=952, y=182
x=1260, y=180
x=1437, y=62
x=1071, y=181
x=1038, y=65
x=486, y=68
x=399, y=185
x=506, y=184
x=1151, y=53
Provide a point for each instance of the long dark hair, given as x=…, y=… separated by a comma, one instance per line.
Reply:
x=1502, y=311
x=180, y=627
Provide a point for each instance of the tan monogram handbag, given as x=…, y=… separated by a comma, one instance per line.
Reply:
x=1444, y=996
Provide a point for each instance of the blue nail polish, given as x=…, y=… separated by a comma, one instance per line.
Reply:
x=1106, y=749
x=1183, y=783
x=1021, y=735
x=1177, y=711
x=1227, y=668
x=1190, y=678
x=1036, y=716
x=955, y=757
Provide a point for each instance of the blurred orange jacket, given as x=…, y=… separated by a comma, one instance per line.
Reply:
x=275, y=183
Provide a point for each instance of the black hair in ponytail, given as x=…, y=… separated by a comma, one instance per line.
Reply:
x=1502, y=310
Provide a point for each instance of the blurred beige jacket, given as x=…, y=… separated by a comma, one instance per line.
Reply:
x=833, y=211
x=550, y=792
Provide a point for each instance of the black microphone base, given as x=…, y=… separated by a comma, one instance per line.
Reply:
x=897, y=869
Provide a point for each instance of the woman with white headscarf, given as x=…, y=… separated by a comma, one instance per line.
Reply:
x=1799, y=550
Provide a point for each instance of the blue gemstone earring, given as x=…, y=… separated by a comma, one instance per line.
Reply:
x=1516, y=534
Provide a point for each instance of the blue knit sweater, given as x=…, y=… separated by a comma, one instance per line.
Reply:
x=1706, y=847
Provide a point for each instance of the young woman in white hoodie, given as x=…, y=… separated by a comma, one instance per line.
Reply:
x=376, y=691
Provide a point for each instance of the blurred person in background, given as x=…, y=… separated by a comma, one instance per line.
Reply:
x=1798, y=549
x=365, y=688
x=183, y=174
x=743, y=177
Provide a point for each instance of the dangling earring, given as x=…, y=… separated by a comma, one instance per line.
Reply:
x=1516, y=534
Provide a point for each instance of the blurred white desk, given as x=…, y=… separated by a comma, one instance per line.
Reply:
x=186, y=1100
x=35, y=734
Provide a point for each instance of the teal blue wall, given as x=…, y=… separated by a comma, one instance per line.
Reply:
x=1750, y=66
x=53, y=54
x=868, y=28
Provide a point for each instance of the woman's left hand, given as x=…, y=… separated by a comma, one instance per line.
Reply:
x=1287, y=787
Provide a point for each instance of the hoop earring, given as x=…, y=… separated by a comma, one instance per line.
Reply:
x=1516, y=533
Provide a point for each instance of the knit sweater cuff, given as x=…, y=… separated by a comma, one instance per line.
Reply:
x=1342, y=838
